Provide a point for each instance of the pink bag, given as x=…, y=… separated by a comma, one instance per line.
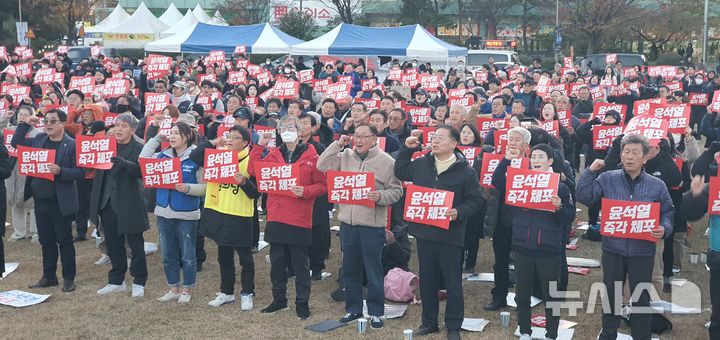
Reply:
x=400, y=286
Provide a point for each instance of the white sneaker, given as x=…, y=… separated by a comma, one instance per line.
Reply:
x=103, y=260
x=109, y=289
x=16, y=237
x=138, y=291
x=525, y=337
x=169, y=296
x=35, y=238
x=246, y=302
x=221, y=299
x=184, y=298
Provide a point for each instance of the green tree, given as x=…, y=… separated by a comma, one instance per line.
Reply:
x=247, y=12
x=416, y=12
x=298, y=24
x=487, y=13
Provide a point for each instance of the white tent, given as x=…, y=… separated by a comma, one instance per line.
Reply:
x=171, y=16
x=217, y=19
x=172, y=43
x=141, y=28
x=116, y=17
x=188, y=20
x=200, y=14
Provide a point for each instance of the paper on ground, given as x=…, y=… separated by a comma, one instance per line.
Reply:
x=391, y=311
x=9, y=268
x=484, y=277
x=665, y=307
x=474, y=325
x=583, y=227
x=678, y=282
x=622, y=336
x=335, y=228
x=574, y=241
x=577, y=210
x=262, y=244
x=17, y=298
x=539, y=333
x=150, y=248
x=581, y=262
x=325, y=275
x=511, y=300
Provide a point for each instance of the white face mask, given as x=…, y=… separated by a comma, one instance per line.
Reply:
x=676, y=138
x=698, y=81
x=287, y=70
x=289, y=136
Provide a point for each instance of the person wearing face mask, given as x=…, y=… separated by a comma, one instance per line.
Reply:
x=289, y=217
x=179, y=97
x=537, y=257
x=363, y=228
x=697, y=86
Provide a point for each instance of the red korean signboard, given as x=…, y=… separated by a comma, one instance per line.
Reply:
x=160, y=173
x=45, y=76
x=699, y=99
x=629, y=219
x=276, y=178
x=156, y=102
x=94, y=152
x=677, y=116
x=714, y=196
x=34, y=162
x=428, y=206
x=158, y=66
x=220, y=166
x=531, y=189
x=470, y=153
x=85, y=84
x=490, y=162
x=8, y=135
x=347, y=187
x=115, y=87
x=653, y=128
x=420, y=115
x=338, y=91
x=367, y=85
x=604, y=135
x=287, y=89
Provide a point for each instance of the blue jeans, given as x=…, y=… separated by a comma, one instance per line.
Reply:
x=177, y=241
x=362, y=248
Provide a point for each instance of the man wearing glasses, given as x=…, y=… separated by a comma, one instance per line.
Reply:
x=363, y=228
x=56, y=202
x=440, y=250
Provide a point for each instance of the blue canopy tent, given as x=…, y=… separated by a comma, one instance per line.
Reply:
x=259, y=38
x=405, y=41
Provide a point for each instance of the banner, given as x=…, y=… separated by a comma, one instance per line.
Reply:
x=220, y=166
x=347, y=187
x=94, y=152
x=642, y=107
x=604, y=135
x=490, y=162
x=286, y=89
x=370, y=103
x=215, y=57
x=17, y=92
x=699, y=99
x=715, y=105
x=321, y=85
x=677, y=116
x=428, y=206
x=470, y=153
x=45, y=76
x=160, y=173
x=305, y=76
x=110, y=118
x=8, y=135
x=600, y=109
x=430, y=82
x=485, y=124
x=531, y=189
x=34, y=162
x=630, y=219
x=85, y=84
x=338, y=91
x=713, y=196
x=240, y=49
x=156, y=102
x=276, y=178
x=653, y=128
x=367, y=85
x=260, y=129
x=158, y=66
x=420, y=115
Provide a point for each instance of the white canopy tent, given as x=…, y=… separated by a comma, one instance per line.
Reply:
x=171, y=16
x=116, y=17
x=200, y=14
x=187, y=21
x=172, y=44
x=141, y=28
x=218, y=19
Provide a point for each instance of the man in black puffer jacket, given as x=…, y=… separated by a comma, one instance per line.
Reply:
x=440, y=250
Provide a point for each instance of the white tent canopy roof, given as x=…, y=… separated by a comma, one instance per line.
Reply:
x=171, y=16
x=200, y=14
x=172, y=43
x=217, y=19
x=188, y=20
x=142, y=21
x=116, y=17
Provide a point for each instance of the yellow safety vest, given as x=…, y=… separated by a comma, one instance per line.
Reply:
x=230, y=198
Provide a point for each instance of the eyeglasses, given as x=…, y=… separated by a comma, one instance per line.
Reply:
x=441, y=139
x=50, y=121
x=362, y=137
x=288, y=128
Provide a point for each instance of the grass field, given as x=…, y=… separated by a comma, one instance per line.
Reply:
x=85, y=315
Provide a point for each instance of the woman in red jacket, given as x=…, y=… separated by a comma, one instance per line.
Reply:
x=289, y=217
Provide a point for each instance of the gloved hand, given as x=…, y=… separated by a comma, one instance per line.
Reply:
x=119, y=162
x=714, y=147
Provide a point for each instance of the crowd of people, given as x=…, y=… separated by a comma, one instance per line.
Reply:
x=414, y=127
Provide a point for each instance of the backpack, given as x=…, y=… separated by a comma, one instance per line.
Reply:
x=400, y=286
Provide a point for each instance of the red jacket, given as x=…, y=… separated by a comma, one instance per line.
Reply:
x=295, y=211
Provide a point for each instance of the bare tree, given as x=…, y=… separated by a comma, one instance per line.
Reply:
x=298, y=24
x=487, y=13
x=593, y=18
x=666, y=22
x=349, y=11
x=247, y=12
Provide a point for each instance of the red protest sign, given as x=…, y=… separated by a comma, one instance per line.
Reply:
x=429, y=82
x=500, y=139
x=251, y=102
x=467, y=102
x=344, y=79
x=700, y=99
x=84, y=84
x=158, y=66
x=8, y=135
x=420, y=115
x=367, y=85
x=394, y=74
x=674, y=86
x=562, y=88
x=418, y=154
x=111, y=66
x=23, y=69
x=320, y=85
x=552, y=127
x=610, y=58
x=568, y=62
x=653, y=128
x=287, y=89
x=630, y=219
x=215, y=57
x=714, y=196
x=220, y=166
x=428, y=206
x=485, y=124
x=276, y=178
x=62, y=49
x=305, y=76
x=18, y=92
x=240, y=49
x=34, y=162
x=470, y=153
x=115, y=87
x=715, y=105
x=156, y=102
x=95, y=50
x=369, y=102
x=94, y=152
x=160, y=173
x=110, y=118
x=338, y=91
x=347, y=187
x=457, y=93
x=642, y=107
x=531, y=189
x=600, y=109
x=409, y=79
x=664, y=71
x=45, y=76
x=203, y=76
x=604, y=135
x=260, y=129
x=481, y=76
x=678, y=116
x=490, y=162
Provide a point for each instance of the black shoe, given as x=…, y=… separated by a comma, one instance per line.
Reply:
x=274, y=307
x=80, y=238
x=495, y=305
x=302, y=310
x=453, y=335
x=317, y=275
x=376, y=322
x=349, y=317
x=425, y=330
x=198, y=267
x=44, y=283
x=68, y=286
x=338, y=295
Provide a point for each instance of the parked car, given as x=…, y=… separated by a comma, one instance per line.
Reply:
x=502, y=59
x=596, y=62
